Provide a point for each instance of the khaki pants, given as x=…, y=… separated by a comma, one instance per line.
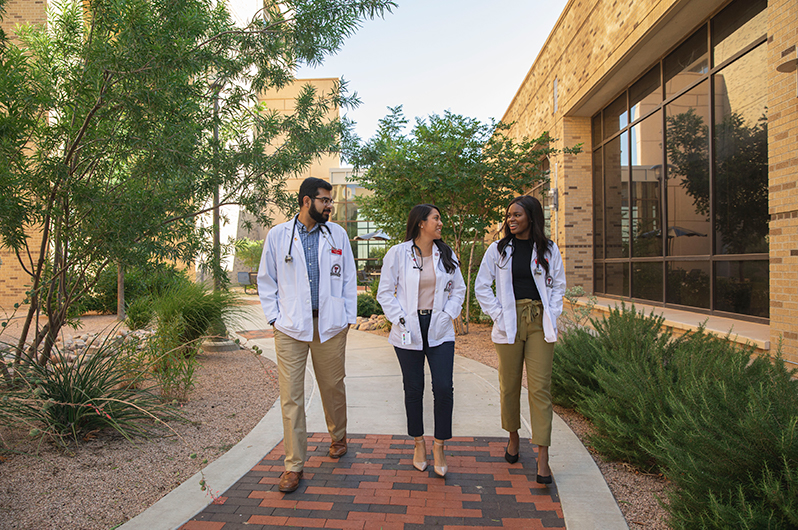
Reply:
x=530, y=348
x=328, y=364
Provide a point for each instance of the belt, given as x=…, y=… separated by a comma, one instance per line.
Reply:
x=315, y=313
x=423, y=312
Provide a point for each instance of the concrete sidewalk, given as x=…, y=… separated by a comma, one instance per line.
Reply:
x=375, y=406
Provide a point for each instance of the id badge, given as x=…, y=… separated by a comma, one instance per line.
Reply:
x=405, y=337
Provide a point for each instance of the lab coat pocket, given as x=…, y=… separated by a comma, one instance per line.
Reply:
x=290, y=314
x=337, y=310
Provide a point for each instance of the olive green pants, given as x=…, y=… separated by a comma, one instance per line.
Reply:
x=530, y=348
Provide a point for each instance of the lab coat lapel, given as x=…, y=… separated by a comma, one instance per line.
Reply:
x=411, y=278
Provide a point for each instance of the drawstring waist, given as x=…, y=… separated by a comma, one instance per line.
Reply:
x=528, y=309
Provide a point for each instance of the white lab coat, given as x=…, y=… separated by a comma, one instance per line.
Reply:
x=398, y=296
x=501, y=306
x=284, y=287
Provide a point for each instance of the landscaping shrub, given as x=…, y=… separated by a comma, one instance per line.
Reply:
x=576, y=355
x=152, y=279
x=139, y=313
x=186, y=313
x=367, y=305
x=634, y=372
x=70, y=399
x=730, y=445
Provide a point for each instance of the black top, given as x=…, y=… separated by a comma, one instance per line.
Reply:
x=523, y=280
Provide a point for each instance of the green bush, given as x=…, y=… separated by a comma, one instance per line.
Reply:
x=632, y=376
x=139, y=313
x=152, y=279
x=367, y=306
x=576, y=355
x=186, y=313
x=730, y=445
x=96, y=392
x=719, y=422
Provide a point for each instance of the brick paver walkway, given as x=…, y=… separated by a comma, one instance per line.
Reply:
x=375, y=487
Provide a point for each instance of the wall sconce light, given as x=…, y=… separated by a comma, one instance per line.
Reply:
x=790, y=65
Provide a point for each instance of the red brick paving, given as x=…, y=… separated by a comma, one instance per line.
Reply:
x=256, y=334
x=375, y=486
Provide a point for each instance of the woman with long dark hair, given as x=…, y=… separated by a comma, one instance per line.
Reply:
x=530, y=283
x=421, y=292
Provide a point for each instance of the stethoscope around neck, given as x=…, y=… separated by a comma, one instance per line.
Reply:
x=504, y=259
x=322, y=227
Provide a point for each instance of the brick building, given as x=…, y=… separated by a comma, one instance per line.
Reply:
x=13, y=279
x=683, y=197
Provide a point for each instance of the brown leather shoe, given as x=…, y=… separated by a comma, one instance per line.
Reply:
x=338, y=449
x=290, y=481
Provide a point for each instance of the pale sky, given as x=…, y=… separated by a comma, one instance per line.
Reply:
x=466, y=56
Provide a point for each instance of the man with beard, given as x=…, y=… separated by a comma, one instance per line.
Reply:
x=308, y=290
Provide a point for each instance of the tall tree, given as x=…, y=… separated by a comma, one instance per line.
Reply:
x=468, y=169
x=107, y=151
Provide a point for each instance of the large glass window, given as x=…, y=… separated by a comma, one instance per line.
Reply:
x=616, y=196
x=680, y=176
x=741, y=156
x=646, y=170
x=687, y=149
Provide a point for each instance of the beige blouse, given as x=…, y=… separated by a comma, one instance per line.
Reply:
x=426, y=283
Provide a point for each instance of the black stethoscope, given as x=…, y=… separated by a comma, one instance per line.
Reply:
x=506, y=259
x=322, y=227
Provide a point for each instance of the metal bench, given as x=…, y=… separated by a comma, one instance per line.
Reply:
x=245, y=279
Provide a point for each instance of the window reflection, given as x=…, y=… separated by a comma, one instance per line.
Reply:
x=687, y=175
x=644, y=95
x=742, y=287
x=660, y=196
x=646, y=156
x=616, y=196
x=617, y=279
x=737, y=26
x=688, y=283
x=598, y=206
x=687, y=64
x=741, y=156
x=647, y=280
x=615, y=116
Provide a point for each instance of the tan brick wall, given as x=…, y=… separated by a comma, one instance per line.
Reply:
x=19, y=12
x=14, y=281
x=594, y=51
x=783, y=175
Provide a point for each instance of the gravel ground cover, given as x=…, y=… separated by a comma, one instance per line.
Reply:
x=106, y=480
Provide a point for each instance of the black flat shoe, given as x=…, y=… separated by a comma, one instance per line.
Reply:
x=540, y=479
x=511, y=458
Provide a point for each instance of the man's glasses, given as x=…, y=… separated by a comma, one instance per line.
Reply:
x=325, y=201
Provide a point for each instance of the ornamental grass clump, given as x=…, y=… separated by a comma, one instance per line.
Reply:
x=65, y=400
x=187, y=313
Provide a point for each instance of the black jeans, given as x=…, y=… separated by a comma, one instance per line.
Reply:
x=441, y=365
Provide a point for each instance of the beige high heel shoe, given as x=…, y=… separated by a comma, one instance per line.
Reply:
x=420, y=451
x=442, y=469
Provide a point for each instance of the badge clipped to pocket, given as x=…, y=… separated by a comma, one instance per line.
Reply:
x=405, y=337
x=549, y=281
